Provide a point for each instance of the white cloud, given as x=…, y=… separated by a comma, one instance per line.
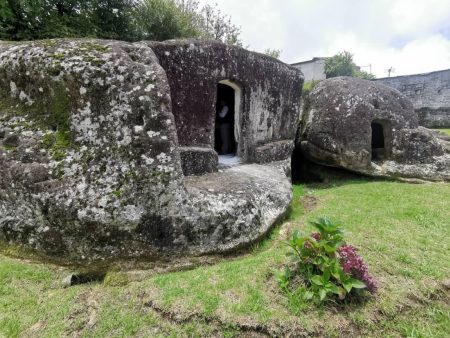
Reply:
x=412, y=36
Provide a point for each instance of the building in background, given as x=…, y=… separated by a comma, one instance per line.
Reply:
x=312, y=69
x=429, y=93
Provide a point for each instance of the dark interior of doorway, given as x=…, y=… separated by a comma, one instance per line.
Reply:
x=224, y=139
x=378, y=146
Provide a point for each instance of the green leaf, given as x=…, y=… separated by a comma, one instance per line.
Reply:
x=296, y=235
x=322, y=294
x=357, y=284
x=301, y=242
x=308, y=295
x=342, y=293
x=317, y=280
x=329, y=249
x=343, y=277
x=326, y=275
x=347, y=286
x=333, y=288
x=335, y=273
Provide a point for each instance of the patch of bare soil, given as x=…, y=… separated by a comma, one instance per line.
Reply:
x=286, y=231
x=309, y=202
x=83, y=316
x=33, y=331
x=253, y=330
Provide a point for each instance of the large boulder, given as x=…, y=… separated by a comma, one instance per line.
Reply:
x=90, y=164
x=366, y=127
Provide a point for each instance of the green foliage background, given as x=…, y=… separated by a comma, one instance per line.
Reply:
x=128, y=20
x=342, y=64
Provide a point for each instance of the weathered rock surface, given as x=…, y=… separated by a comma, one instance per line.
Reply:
x=96, y=172
x=339, y=128
x=268, y=94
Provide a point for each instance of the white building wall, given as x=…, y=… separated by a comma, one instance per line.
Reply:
x=312, y=70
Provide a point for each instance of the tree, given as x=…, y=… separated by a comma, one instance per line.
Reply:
x=41, y=19
x=128, y=20
x=169, y=19
x=213, y=24
x=275, y=53
x=162, y=19
x=342, y=64
x=115, y=19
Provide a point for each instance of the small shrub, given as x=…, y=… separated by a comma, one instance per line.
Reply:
x=324, y=267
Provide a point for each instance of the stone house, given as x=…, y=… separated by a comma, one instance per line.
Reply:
x=263, y=93
x=108, y=149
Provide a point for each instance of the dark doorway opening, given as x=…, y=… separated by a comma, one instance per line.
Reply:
x=224, y=138
x=378, y=141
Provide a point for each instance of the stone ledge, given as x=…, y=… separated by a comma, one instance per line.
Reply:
x=273, y=151
x=198, y=160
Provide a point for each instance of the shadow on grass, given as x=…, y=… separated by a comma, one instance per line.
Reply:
x=315, y=176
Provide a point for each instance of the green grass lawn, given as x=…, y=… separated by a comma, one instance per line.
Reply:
x=445, y=130
x=402, y=231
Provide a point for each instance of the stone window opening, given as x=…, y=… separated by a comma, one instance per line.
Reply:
x=227, y=122
x=380, y=140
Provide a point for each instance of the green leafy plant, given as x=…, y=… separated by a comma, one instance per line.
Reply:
x=324, y=265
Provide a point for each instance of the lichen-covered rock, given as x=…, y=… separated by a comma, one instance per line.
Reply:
x=369, y=128
x=198, y=160
x=90, y=165
x=98, y=145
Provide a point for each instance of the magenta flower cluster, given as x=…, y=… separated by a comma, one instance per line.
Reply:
x=316, y=236
x=354, y=265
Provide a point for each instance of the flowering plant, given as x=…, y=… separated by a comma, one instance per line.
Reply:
x=353, y=265
x=327, y=267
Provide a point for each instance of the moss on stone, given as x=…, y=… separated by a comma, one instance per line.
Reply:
x=22, y=252
x=93, y=60
x=58, y=56
x=57, y=144
x=48, y=140
x=8, y=147
x=47, y=43
x=117, y=193
x=92, y=46
x=52, y=112
x=114, y=278
x=59, y=109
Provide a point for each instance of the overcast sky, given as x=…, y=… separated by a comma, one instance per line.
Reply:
x=412, y=36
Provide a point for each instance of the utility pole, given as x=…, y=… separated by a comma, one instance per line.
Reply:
x=390, y=70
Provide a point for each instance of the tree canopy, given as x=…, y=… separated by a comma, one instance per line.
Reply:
x=129, y=20
x=342, y=64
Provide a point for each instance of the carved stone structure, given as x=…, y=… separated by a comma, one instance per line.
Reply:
x=94, y=137
x=266, y=99
x=366, y=127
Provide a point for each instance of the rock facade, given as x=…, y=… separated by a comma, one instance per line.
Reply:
x=268, y=103
x=342, y=118
x=429, y=93
x=91, y=163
